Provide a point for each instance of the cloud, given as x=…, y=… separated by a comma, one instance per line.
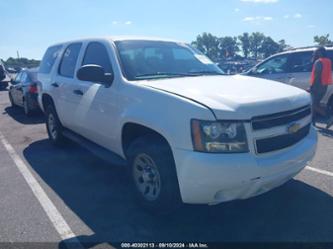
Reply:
x=257, y=18
x=311, y=26
x=249, y=18
x=121, y=23
x=259, y=1
x=236, y=10
x=295, y=16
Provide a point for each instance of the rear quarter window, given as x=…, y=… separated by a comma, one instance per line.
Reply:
x=49, y=59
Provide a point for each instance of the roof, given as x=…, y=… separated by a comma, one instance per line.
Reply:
x=120, y=38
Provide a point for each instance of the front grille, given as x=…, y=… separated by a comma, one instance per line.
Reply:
x=282, y=141
x=278, y=119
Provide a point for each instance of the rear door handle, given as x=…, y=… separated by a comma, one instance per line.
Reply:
x=55, y=84
x=78, y=92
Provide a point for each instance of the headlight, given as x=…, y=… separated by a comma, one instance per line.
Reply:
x=219, y=136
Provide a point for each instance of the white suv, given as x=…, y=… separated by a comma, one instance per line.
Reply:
x=187, y=132
x=293, y=67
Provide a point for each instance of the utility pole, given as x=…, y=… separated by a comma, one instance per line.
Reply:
x=18, y=55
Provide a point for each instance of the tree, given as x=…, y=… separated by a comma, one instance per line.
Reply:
x=245, y=44
x=228, y=46
x=323, y=40
x=21, y=62
x=282, y=45
x=208, y=44
x=256, y=40
x=269, y=47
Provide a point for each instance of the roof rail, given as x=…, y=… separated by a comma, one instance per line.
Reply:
x=314, y=46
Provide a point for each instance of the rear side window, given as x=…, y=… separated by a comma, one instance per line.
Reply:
x=68, y=61
x=301, y=62
x=96, y=53
x=49, y=58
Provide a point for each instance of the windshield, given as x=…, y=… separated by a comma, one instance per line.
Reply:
x=156, y=59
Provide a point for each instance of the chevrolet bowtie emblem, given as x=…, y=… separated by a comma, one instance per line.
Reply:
x=293, y=128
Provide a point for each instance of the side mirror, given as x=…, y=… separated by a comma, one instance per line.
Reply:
x=94, y=73
x=13, y=82
x=253, y=71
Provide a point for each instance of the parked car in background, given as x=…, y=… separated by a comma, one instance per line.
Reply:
x=292, y=67
x=186, y=132
x=3, y=76
x=236, y=67
x=23, y=91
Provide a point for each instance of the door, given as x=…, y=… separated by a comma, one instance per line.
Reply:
x=300, y=69
x=275, y=68
x=21, y=88
x=64, y=85
x=13, y=87
x=99, y=103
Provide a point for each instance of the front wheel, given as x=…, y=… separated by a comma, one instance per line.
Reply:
x=53, y=126
x=154, y=175
x=26, y=108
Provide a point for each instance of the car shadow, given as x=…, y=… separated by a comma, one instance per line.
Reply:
x=100, y=195
x=17, y=113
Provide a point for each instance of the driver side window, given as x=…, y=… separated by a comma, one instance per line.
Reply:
x=97, y=54
x=278, y=64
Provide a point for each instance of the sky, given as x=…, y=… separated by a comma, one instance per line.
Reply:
x=30, y=26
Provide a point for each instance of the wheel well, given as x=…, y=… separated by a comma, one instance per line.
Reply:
x=46, y=100
x=132, y=131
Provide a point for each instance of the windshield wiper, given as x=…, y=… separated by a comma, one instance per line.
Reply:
x=205, y=72
x=162, y=75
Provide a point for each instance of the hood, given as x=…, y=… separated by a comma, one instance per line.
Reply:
x=235, y=97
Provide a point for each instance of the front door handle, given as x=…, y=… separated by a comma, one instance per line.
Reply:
x=55, y=84
x=78, y=92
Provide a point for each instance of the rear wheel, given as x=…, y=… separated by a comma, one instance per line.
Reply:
x=12, y=103
x=53, y=126
x=154, y=175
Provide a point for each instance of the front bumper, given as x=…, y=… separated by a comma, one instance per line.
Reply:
x=213, y=178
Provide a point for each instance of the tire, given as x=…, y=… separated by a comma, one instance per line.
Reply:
x=26, y=109
x=53, y=126
x=11, y=100
x=330, y=107
x=153, y=174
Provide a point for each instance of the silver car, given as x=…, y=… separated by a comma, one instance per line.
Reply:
x=292, y=67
